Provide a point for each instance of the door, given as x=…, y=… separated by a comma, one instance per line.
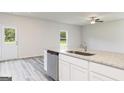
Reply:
x=64, y=71
x=78, y=74
x=9, y=43
x=97, y=77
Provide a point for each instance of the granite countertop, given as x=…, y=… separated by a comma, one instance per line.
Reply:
x=102, y=57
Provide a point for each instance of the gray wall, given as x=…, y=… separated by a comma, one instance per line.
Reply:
x=34, y=35
x=105, y=36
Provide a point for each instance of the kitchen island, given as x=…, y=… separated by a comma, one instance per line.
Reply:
x=102, y=66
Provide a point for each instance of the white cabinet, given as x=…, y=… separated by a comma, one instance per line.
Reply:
x=98, y=77
x=72, y=69
x=75, y=69
x=78, y=73
x=64, y=71
x=107, y=71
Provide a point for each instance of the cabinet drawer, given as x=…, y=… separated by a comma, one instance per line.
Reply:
x=78, y=74
x=114, y=73
x=64, y=71
x=98, y=77
x=74, y=61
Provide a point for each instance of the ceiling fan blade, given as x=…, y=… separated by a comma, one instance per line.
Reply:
x=99, y=21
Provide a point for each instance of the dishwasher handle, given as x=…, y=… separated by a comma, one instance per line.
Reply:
x=52, y=52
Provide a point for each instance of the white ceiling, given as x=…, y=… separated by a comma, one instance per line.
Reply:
x=77, y=18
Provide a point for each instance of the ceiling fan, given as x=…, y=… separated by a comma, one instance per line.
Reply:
x=94, y=20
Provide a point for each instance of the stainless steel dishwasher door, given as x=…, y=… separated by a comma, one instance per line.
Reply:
x=52, y=65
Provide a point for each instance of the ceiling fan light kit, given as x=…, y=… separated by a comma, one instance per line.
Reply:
x=94, y=20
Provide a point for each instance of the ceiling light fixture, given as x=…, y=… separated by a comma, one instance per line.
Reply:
x=92, y=22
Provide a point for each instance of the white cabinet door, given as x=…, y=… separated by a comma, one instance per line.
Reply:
x=78, y=74
x=9, y=43
x=97, y=77
x=64, y=71
x=108, y=71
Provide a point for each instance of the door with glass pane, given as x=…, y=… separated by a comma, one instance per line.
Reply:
x=9, y=43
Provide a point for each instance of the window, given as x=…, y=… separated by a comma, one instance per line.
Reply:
x=63, y=40
x=9, y=34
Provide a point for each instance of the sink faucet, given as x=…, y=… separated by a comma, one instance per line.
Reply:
x=84, y=46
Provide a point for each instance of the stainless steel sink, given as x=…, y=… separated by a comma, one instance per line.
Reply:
x=81, y=53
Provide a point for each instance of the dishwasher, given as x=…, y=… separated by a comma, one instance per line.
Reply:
x=53, y=64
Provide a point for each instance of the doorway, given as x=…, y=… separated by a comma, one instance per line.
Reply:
x=8, y=43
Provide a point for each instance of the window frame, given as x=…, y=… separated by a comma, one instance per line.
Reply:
x=3, y=35
x=66, y=39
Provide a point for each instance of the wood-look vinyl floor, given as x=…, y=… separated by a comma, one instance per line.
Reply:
x=27, y=69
